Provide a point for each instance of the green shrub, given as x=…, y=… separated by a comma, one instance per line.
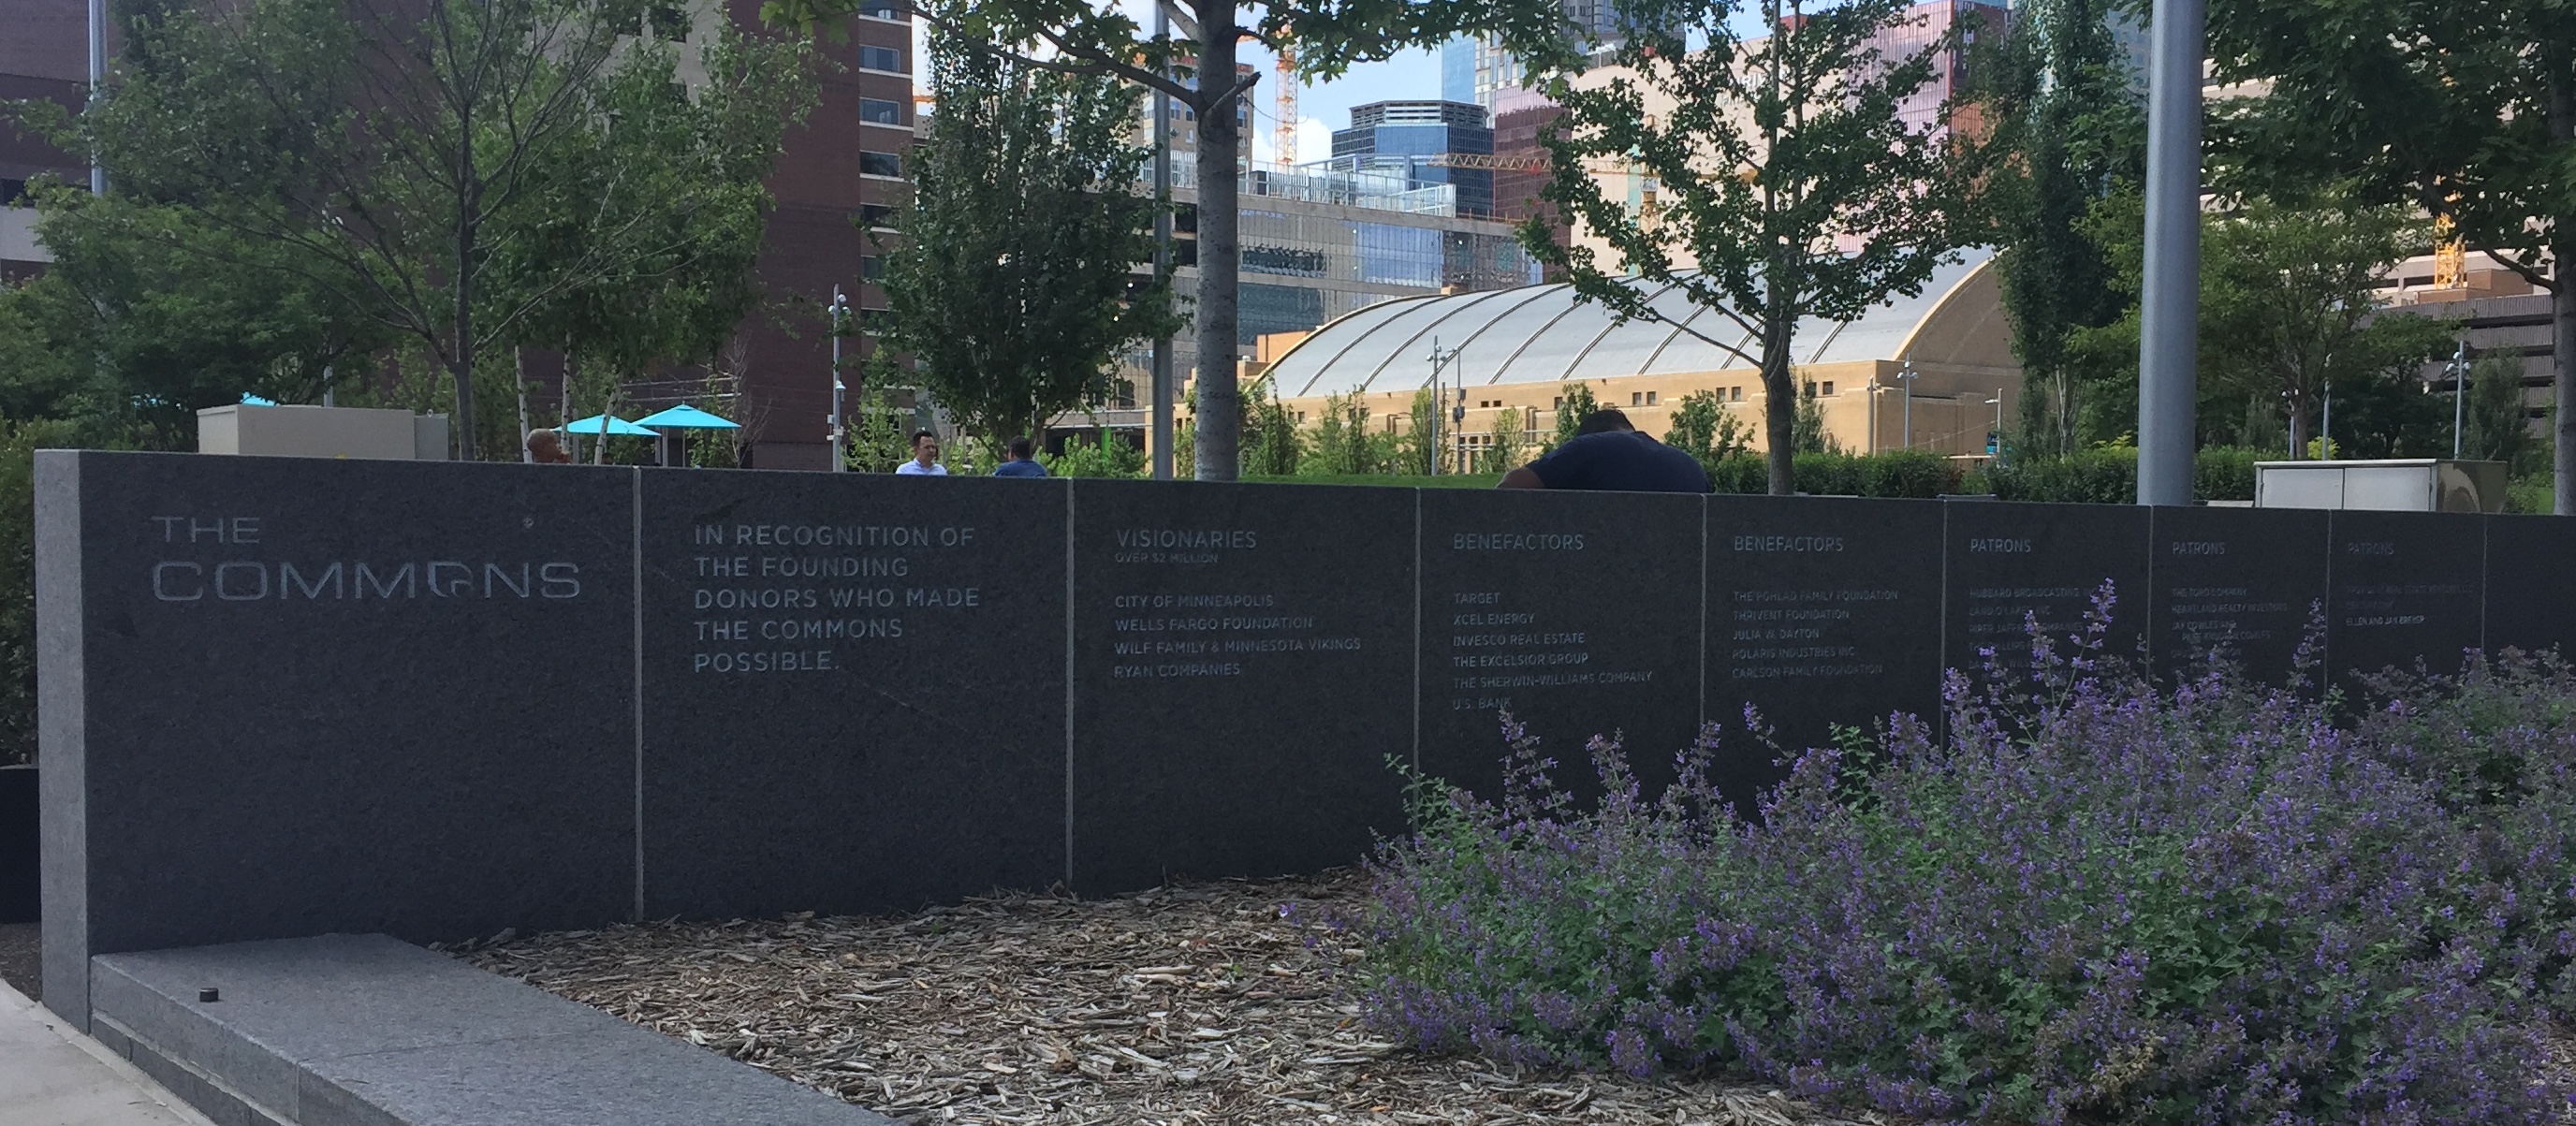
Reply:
x=1104, y=456
x=2109, y=475
x=1897, y=473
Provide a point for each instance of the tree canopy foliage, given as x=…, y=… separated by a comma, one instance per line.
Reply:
x=1789, y=181
x=1011, y=284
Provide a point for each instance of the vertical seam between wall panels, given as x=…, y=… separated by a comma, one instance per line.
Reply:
x=637, y=622
x=2152, y=512
x=1068, y=684
x=2486, y=549
x=1417, y=629
x=2325, y=613
x=1941, y=656
x=1704, y=517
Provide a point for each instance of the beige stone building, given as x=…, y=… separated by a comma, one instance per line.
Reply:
x=1947, y=348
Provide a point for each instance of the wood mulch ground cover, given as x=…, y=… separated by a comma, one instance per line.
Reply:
x=1196, y=1004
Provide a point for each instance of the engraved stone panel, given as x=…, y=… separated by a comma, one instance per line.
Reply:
x=853, y=690
x=1822, y=611
x=1580, y=613
x=2237, y=581
x=1243, y=663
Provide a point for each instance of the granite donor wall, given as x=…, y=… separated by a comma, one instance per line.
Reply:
x=291, y=697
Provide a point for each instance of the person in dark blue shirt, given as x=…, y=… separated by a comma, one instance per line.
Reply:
x=1020, y=462
x=1608, y=455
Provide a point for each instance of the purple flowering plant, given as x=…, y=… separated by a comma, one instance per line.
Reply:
x=2079, y=897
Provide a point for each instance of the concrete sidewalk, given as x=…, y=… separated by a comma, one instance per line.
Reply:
x=51, y=1075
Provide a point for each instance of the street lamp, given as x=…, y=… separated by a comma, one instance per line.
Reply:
x=840, y=325
x=2459, y=385
x=1909, y=375
x=1995, y=437
x=1439, y=362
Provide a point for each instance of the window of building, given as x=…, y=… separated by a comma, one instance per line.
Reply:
x=875, y=215
x=1650, y=397
x=1829, y=387
x=1636, y=398
x=888, y=59
x=880, y=9
x=1739, y=394
x=669, y=22
x=880, y=164
x=1560, y=402
x=871, y=267
x=880, y=111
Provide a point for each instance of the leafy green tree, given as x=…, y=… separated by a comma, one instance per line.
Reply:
x=1011, y=287
x=2287, y=312
x=1793, y=187
x=2495, y=424
x=2069, y=130
x=1705, y=429
x=1807, y=433
x=1271, y=446
x=1573, y=401
x=456, y=169
x=1510, y=444
x=2465, y=112
x=1197, y=68
x=1344, y=444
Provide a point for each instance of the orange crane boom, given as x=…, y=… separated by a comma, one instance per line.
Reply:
x=1285, y=139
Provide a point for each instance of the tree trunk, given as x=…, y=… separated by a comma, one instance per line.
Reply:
x=460, y=358
x=2298, y=416
x=2562, y=299
x=1779, y=398
x=2562, y=310
x=1220, y=412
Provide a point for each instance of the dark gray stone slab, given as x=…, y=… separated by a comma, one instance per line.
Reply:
x=1244, y=663
x=303, y=696
x=1822, y=612
x=2009, y=564
x=343, y=1030
x=2406, y=587
x=2530, y=560
x=2235, y=581
x=18, y=897
x=853, y=690
x=1577, y=612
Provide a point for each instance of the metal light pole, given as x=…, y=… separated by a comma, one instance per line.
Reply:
x=1458, y=425
x=2459, y=392
x=1162, y=377
x=1995, y=438
x=2325, y=428
x=1439, y=362
x=97, y=83
x=1909, y=375
x=840, y=438
x=2169, y=312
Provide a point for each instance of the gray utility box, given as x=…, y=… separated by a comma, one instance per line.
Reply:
x=2394, y=485
x=304, y=431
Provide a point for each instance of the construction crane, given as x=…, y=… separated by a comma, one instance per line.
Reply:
x=1285, y=140
x=1533, y=162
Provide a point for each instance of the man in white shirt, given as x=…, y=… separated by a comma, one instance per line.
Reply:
x=925, y=457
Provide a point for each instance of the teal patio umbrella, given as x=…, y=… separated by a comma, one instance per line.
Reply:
x=608, y=425
x=682, y=417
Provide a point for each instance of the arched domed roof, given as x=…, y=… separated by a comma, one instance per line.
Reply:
x=1543, y=334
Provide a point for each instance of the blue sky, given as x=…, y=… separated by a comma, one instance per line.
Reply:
x=1321, y=108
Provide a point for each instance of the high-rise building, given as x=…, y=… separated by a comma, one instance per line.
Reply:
x=842, y=169
x=1405, y=137
x=44, y=55
x=840, y=177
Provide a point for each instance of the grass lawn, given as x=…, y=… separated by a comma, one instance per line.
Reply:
x=1393, y=480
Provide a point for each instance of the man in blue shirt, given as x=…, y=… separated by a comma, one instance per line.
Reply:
x=1020, y=461
x=1608, y=455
